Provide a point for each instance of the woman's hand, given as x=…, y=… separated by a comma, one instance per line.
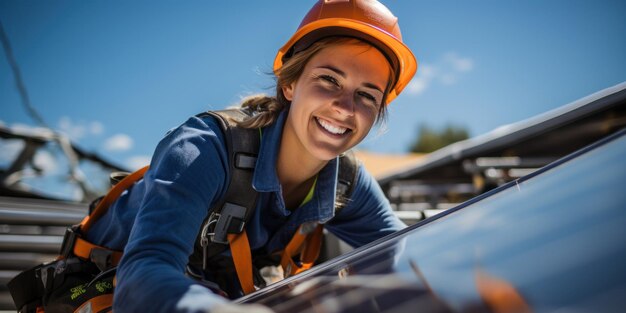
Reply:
x=241, y=308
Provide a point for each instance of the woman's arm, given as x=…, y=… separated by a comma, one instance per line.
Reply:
x=187, y=175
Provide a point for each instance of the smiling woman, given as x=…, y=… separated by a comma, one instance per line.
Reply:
x=274, y=173
x=334, y=104
x=337, y=98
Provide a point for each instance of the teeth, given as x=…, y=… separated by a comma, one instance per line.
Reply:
x=331, y=128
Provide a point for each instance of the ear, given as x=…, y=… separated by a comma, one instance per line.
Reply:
x=288, y=91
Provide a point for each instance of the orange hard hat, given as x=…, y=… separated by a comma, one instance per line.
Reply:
x=368, y=20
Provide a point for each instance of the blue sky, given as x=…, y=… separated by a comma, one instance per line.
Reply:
x=116, y=75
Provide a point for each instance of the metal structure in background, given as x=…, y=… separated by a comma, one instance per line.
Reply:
x=20, y=164
x=31, y=232
x=33, y=218
x=466, y=169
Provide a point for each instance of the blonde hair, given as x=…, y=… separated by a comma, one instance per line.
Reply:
x=266, y=109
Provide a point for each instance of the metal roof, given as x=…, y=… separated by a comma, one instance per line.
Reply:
x=556, y=132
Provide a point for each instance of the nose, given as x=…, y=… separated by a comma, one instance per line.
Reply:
x=344, y=104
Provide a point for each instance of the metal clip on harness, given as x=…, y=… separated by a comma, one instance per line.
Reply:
x=231, y=220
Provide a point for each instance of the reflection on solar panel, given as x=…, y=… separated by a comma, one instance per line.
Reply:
x=554, y=240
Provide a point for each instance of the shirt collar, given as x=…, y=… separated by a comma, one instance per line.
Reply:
x=266, y=179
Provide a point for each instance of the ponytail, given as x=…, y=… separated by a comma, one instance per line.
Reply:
x=265, y=110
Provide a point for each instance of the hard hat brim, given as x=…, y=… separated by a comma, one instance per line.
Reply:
x=406, y=62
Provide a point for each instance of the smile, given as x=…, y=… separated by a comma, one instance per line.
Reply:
x=333, y=129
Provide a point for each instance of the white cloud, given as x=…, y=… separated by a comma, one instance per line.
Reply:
x=448, y=79
x=459, y=64
x=72, y=130
x=96, y=128
x=425, y=75
x=81, y=129
x=45, y=160
x=417, y=86
x=138, y=161
x=119, y=142
x=445, y=71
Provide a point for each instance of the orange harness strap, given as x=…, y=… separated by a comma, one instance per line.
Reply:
x=83, y=248
x=313, y=246
x=111, y=196
x=242, y=257
x=307, y=244
x=101, y=303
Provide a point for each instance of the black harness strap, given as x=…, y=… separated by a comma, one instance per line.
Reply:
x=230, y=214
x=27, y=288
x=346, y=178
x=239, y=201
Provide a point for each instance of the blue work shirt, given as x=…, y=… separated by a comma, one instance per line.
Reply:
x=156, y=222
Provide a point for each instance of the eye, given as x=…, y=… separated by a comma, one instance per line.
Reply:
x=329, y=79
x=369, y=98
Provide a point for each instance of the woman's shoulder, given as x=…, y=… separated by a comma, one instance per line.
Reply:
x=199, y=125
x=210, y=123
x=197, y=141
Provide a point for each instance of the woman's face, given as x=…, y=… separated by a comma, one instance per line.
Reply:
x=336, y=99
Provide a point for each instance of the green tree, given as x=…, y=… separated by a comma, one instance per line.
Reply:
x=429, y=139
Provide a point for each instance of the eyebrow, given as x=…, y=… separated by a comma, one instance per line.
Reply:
x=343, y=74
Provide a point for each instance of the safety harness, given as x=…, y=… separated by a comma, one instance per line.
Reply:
x=87, y=270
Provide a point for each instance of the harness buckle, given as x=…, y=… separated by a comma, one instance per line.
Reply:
x=102, y=258
x=69, y=239
x=231, y=220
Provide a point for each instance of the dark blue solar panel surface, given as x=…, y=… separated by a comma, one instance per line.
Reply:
x=555, y=241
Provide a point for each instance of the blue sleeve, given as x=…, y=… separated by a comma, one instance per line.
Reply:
x=367, y=215
x=188, y=173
